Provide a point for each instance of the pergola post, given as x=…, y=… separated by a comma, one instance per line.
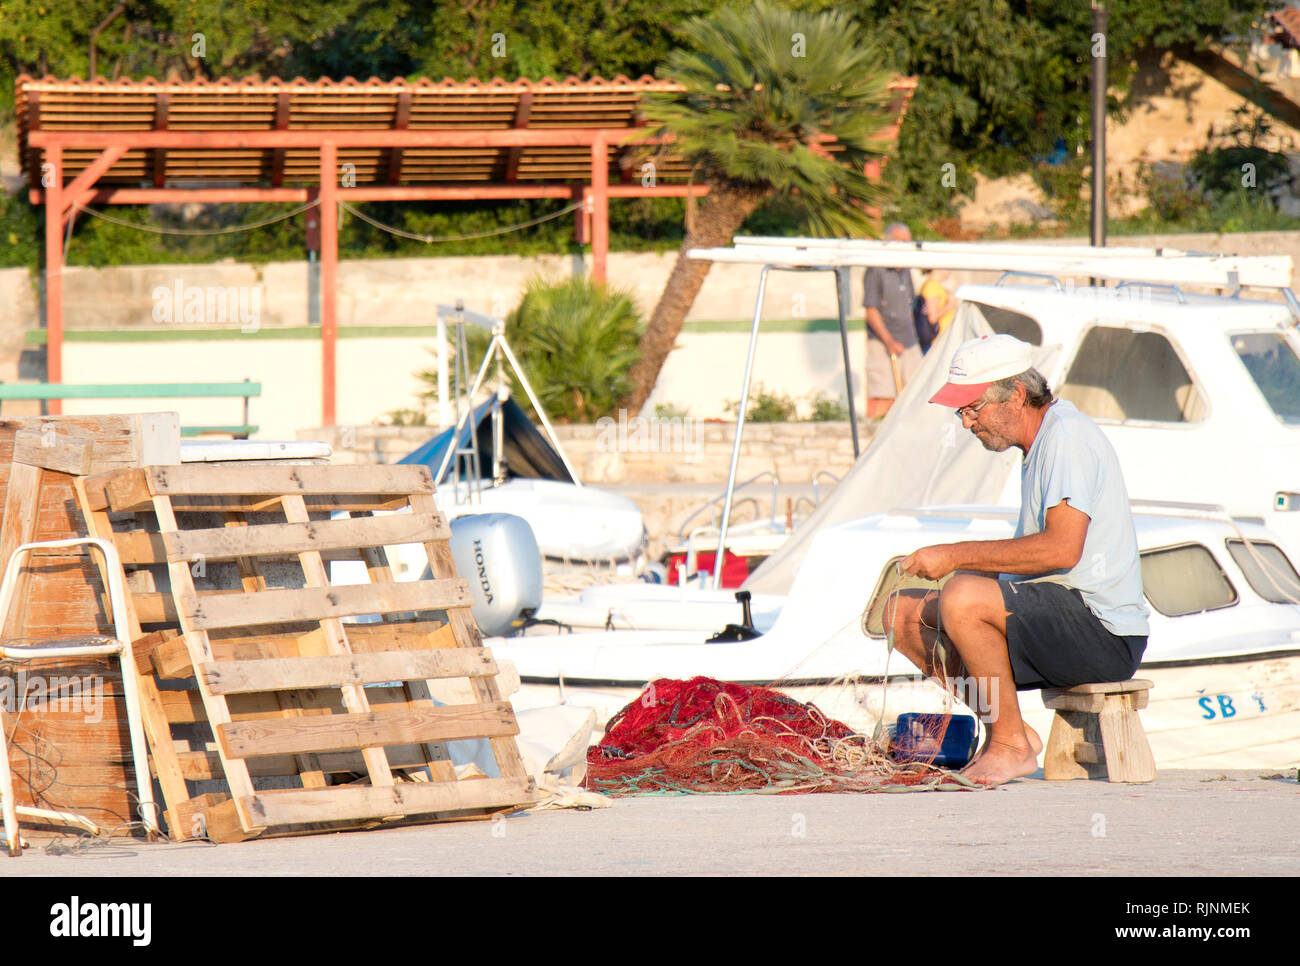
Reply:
x=599, y=208
x=329, y=261
x=53, y=178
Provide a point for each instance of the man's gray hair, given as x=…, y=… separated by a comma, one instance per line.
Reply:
x=1037, y=392
x=894, y=228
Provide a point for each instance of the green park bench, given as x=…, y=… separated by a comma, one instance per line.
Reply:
x=144, y=390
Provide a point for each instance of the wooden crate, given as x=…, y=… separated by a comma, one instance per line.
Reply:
x=67, y=752
x=253, y=684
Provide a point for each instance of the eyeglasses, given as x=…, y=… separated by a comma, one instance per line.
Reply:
x=972, y=411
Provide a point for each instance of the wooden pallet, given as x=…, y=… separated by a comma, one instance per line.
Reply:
x=269, y=680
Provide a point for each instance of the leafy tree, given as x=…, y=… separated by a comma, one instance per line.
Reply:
x=1002, y=80
x=575, y=340
x=764, y=86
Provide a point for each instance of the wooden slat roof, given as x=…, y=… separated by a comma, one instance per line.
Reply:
x=253, y=104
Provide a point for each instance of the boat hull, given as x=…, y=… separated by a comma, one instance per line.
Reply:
x=1229, y=714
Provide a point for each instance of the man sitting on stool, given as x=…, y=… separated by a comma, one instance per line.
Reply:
x=1067, y=608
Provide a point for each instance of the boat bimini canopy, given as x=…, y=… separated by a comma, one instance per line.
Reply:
x=1161, y=266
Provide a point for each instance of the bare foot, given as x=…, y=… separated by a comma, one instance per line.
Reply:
x=1035, y=742
x=1031, y=736
x=1000, y=762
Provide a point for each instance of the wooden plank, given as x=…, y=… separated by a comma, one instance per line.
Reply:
x=399, y=636
x=184, y=819
x=1105, y=687
x=283, y=538
x=182, y=585
x=291, y=807
x=125, y=489
x=206, y=765
x=285, y=674
x=22, y=503
x=1127, y=753
x=1059, y=763
x=261, y=504
x=223, y=823
x=139, y=548
x=350, y=732
x=52, y=450
x=171, y=659
x=186, y=707
x=263, y=480
x=315, y=603
x=145, y=647
x=153, y=607
x=1065, y=701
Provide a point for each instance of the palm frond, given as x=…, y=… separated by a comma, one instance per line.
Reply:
x=765, y=87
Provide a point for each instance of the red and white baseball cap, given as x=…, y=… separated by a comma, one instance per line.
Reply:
x=978, y=364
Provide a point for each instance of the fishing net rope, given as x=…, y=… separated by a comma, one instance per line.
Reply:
x=704, y=735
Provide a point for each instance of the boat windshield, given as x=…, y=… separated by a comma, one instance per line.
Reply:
x=1273, y=364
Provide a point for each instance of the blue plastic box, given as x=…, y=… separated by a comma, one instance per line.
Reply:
x=958, y=740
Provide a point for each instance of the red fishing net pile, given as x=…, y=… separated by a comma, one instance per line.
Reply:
x=704, y=735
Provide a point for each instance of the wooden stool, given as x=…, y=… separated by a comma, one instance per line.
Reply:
x=1097, y=733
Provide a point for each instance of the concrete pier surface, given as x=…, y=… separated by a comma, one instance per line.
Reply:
x=1186, y=823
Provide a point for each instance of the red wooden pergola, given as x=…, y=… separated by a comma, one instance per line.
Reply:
x=169, y=142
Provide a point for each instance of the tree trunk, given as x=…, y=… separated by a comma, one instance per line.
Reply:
x=719, y=217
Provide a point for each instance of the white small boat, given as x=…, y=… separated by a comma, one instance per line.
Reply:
x=1224, y=649
x=524, y=475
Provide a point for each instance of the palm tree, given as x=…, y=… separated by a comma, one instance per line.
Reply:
x=765, y=91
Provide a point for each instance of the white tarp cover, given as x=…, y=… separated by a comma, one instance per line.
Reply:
x=920, y=456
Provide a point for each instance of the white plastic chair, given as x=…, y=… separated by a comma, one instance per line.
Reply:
x=117, y=646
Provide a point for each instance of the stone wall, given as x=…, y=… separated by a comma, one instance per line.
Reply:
x=699, y=452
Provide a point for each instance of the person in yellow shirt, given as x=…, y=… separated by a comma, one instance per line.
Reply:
x=940, y=306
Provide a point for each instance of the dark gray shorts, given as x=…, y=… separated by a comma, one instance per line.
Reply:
x=1055, y=641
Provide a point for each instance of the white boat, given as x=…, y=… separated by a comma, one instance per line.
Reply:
x=1224, y=648
x=524, y=475
x=1199, y=394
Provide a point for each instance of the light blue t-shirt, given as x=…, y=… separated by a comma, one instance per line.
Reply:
x=1072, y=459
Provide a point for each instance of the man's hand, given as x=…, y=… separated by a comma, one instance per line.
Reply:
x=894, y=347
x=930, y=562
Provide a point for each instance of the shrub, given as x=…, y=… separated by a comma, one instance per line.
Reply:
x=766, y=407
x=828, y=409
x=574, y=339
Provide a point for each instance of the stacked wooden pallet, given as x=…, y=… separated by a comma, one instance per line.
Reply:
x=251, y=674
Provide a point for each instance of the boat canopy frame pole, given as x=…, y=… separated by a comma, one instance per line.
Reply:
x=740, y=427
x=499, y=344
x=843, y=296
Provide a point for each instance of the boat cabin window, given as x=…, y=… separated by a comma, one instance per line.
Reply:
x=1185, y=579
x=1006, y=322
x=1273, y=364
x=874, y=622
x=1267, y=569
x=1119, y=374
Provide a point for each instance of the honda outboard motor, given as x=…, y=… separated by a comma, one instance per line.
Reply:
x=497, y=553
